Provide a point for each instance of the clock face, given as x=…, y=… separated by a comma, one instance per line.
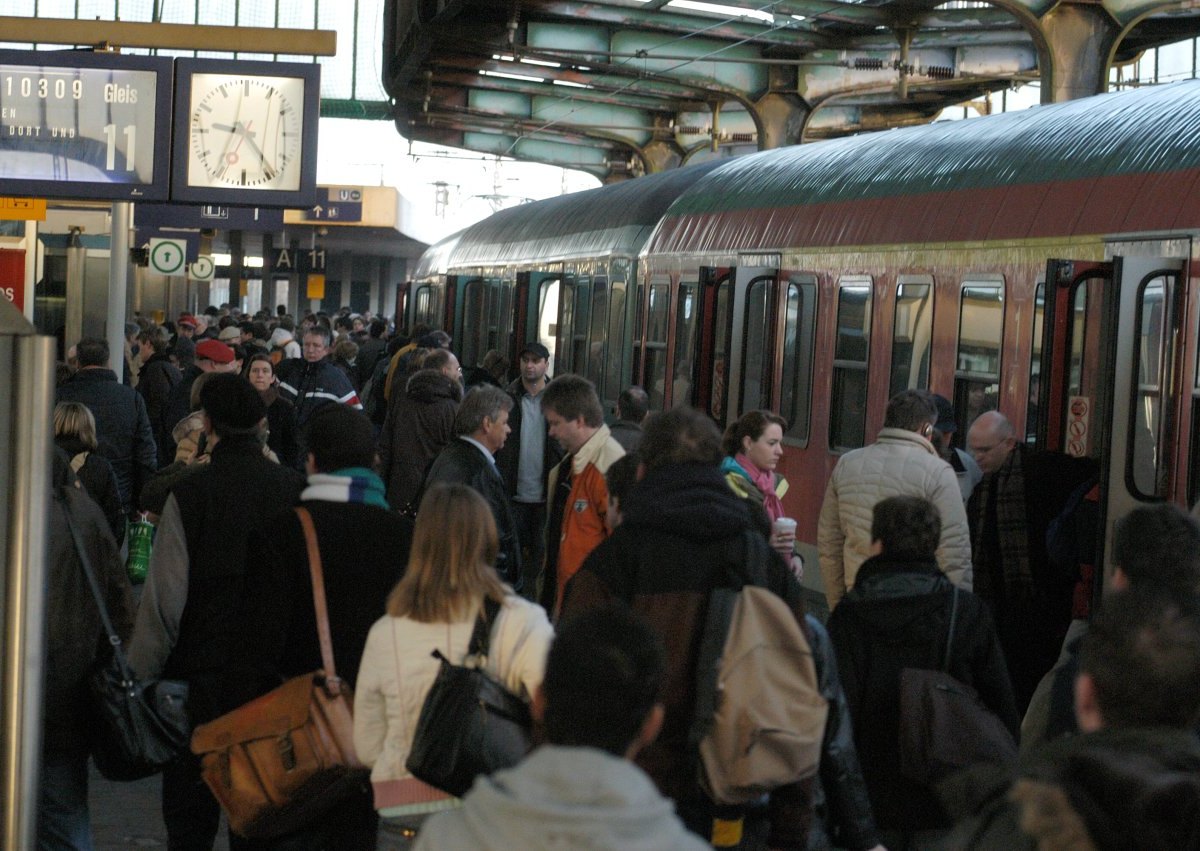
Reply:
x=245, y=131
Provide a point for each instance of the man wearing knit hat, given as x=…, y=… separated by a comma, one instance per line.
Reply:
x=186, y=627
x=210, y=356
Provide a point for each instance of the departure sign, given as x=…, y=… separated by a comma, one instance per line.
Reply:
x=84, y=125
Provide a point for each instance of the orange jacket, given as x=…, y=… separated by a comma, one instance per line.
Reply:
x=583, y=515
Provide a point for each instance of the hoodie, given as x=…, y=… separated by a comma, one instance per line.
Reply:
x=562, y=797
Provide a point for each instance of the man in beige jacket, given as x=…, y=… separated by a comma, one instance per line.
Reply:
x=901, y=462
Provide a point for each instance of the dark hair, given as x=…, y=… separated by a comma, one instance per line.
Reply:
x=633, y=403
x=909, y=527
x=1159, y=545
x=260, y=357
x=751, y=424
x=603, y=677
x=483, y=401
x=339, y=436
x=621, y=476
x=92, y=351
x=1142, y=652
x=910, y=410
x=377, y=328
x=232, y=404
x=681, y=435
x=572, y=397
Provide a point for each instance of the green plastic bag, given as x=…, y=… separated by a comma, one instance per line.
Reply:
x=141, y=541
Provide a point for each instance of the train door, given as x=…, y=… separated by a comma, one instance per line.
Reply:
x=1108, y=363
x=540, y=310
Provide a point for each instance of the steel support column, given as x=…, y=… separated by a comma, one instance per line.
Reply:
x=1079, y=38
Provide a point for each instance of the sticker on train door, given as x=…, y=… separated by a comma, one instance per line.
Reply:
x=1079, y=412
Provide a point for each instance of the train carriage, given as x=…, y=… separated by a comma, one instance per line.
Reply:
x=1037, y=262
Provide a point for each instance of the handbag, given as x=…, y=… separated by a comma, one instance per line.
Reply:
x=141, y=725
x=944, y=726
x=276, y=763
x=470, y=724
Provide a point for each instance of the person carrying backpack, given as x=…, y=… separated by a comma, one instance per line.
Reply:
x=682, y=529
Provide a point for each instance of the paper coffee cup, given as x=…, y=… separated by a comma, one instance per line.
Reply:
x=785, y=526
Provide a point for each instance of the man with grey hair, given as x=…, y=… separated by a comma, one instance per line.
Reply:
x=480, y=428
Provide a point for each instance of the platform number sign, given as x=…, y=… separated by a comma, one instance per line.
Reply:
x=168, y=256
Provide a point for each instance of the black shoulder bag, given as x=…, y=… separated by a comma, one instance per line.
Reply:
x=470, y=724
x=944, y=726
x=141, y=725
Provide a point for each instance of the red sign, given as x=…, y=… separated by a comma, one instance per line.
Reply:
x=12, y=276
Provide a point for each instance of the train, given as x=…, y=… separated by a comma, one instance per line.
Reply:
x=1038, y=262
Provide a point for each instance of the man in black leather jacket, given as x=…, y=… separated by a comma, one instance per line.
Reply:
x=481, y=427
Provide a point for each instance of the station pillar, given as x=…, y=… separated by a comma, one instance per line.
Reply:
x=782, y=118
x=1078, y=39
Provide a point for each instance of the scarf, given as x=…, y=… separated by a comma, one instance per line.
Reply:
x=352, y=484
x=1012, y=531
x=764, y=480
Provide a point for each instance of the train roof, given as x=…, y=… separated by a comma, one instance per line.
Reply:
x=1114, y=163
x=435, y=260
x=610, y=220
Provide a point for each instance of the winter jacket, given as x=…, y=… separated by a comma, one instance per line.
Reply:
x=98, y=480
x=508, y=458
x=310, y=386
x=75, y=638
x=123, y=431
x=464, y=463
x=418, y=426
x=581, y=526
x=179, y=405
x=155, y=383
x=899, y=463
x=897, y=616
x=398, y=669
x=562, y=797
x=282, y=431
x=682, y=526
x=1110, y=790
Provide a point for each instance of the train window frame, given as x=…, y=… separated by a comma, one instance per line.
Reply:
x=1166, y=358
x=1032, y=408
x=966, y=380
x=722, y=326
x=923, y=322
x=547, y=331
x=799, y=348
x=599, y=300
x=762, y=341
x=654, y=319
x=474, y=321
x=422, y=305
x=687, y=341
x=842, y=368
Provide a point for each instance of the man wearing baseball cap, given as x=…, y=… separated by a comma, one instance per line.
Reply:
x=527, y=458
x=966, y=470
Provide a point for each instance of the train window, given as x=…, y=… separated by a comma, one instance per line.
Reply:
x=655, y=353
x=475, y=322
x=686, y=313
x=721, y=326
x=756, y=336
x=597, y=352
x=614, y=376
x=799, y=323
x=911, y=334
x=1147, y=467
x=980, y=329
x=547, y=327
x=1035, y=364
x=578, y=327
x=848, y=406
x=423, y=313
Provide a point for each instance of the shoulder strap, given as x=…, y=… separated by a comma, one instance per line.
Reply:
x=94, y=585
x=481, y=636
x=318, y=589
x=950, y=632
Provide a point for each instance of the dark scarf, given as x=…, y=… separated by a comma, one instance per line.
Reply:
x=1012, y=532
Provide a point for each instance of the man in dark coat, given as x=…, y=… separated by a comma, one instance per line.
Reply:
x=897, y=616
x=364, y=549
x=75, y=642
x=123, y=431
x=187, y=624
x=419, y=423
x=481, y=427
x=1009, y=511
x=210, y=356
x=681, y=525
x=314, y=381
x=632, y=406
x=156, y=380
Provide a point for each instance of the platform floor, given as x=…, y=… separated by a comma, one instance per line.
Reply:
x=127, y=816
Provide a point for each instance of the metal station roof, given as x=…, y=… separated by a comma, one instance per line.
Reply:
x=626, y=87
x=1004, y=176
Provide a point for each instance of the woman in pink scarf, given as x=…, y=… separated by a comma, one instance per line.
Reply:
x=753, y=446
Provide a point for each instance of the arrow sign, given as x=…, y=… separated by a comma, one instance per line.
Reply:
x=168, y=256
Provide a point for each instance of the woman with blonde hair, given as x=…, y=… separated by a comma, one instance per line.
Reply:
x=75, y=434
x=434, y=607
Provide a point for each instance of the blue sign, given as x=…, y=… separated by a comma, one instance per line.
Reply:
x=331, y=212
x=255, y=219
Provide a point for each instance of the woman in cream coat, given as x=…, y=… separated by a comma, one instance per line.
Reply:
x=434, y=607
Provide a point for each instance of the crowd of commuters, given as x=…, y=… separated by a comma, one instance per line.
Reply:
x=440, y=498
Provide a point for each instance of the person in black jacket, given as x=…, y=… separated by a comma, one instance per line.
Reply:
x=75, y=643
x=156, y=380
x=187, y=625
x=897, y=616
x=364, y=550
x=123, y=432
x=75, y=434
x=481, y=427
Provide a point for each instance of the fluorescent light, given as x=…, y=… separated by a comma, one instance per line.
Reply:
x=572, y=85
x=252, y=262
x=222, y=259
x=506, y=76
x=726, y=11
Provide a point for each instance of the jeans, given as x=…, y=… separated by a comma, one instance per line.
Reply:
x=399, y=833
x=62, y=818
